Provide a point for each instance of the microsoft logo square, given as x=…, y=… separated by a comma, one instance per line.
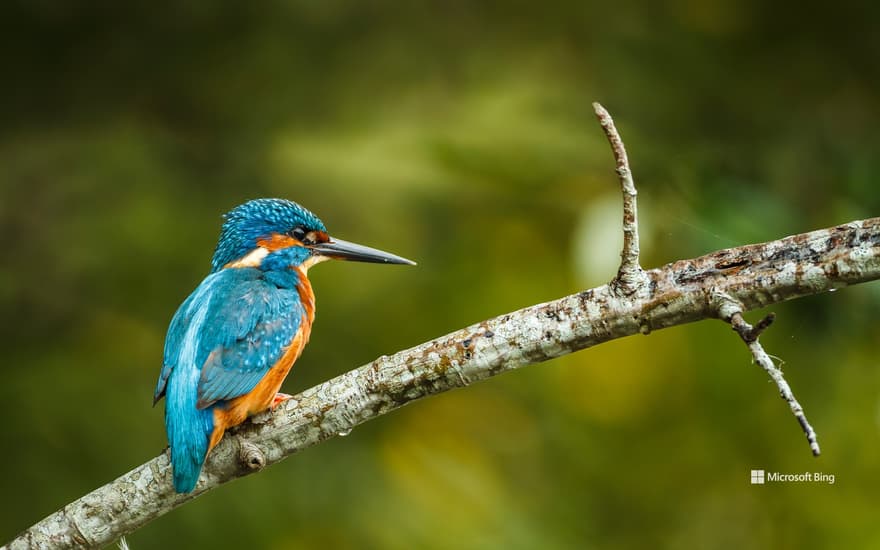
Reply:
x=757, y=477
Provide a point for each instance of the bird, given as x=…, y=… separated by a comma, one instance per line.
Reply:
x=232, y=342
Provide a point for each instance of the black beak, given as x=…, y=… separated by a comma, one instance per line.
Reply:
x=344, y=250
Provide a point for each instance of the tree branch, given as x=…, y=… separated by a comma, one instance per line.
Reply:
x=682, y=292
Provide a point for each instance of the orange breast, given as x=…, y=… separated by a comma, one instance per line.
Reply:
x=258, y=399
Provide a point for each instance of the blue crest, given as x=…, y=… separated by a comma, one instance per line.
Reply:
x=257, y=219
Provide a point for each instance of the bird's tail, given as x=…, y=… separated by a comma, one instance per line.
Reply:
x=189, y=429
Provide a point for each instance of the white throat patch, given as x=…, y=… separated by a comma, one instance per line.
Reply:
x=312, y=260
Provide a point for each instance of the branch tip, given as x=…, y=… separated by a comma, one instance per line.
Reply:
x=630, y=278
x=762, y=325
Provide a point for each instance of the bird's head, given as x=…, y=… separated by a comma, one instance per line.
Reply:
x=278, y=233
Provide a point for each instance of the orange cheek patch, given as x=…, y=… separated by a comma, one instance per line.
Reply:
x=278, y=241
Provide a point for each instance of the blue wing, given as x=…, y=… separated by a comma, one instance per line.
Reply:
x=250, y=331
x=244, y=324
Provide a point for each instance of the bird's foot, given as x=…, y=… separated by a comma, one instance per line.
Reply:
x=279, y=398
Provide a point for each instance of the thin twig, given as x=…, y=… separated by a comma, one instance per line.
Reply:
x=630, y=277
x=731, y=311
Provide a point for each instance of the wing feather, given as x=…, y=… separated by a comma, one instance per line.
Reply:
x=248, y=323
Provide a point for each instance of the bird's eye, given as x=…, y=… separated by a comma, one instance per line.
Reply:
x=299, y=233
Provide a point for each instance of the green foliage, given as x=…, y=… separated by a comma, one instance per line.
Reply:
x=460, y=135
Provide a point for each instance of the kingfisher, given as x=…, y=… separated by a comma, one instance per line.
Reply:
x=232, y=342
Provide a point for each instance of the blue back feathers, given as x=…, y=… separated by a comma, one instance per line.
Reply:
x=258, y=218
x=231, y=330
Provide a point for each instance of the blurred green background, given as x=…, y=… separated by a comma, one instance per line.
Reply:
x=459, y=134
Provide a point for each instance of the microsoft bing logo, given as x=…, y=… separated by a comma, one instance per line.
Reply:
x=762, y=477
